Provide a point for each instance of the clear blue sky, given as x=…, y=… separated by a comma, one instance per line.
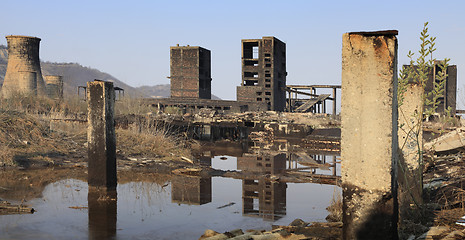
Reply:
x=131, y=39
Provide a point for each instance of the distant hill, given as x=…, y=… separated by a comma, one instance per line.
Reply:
x=75, y=75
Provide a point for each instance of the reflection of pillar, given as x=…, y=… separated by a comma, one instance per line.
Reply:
x=369, y=135
x=334, y=166
x=101, y=138
x=191, y=190
x=102, y=214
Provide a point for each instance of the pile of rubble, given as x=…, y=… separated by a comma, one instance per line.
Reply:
x=298, y=229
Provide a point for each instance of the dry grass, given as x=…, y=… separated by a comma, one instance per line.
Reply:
x=157, y=143
x=335, y=208
x=23, y=136
x=128, y=105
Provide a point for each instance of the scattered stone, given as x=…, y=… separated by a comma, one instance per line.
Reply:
x=220, y=236
x=236, y=232
x=208, y=233
x=298, y=223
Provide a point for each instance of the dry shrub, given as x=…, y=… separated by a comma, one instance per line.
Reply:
x=24, y=136
x=128, y=105
x=43, y=106
x=6, y=156
x=335, y=208
x=150, y=144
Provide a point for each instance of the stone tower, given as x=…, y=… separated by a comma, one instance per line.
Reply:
x=190, y=72
x=23, y=73
x=263, y=72
x=54, y=86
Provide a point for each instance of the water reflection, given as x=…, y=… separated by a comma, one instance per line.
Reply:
x=261, y=198
x=174, y=207
x=286, y=155
x=102, y=213
x=191, y=190
x=264, y=199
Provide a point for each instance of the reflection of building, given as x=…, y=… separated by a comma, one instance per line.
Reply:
x=263, y=163
x=262, y=198
x=191, y=190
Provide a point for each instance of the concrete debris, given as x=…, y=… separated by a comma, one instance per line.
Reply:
x=435, y=233
x=448, y=142
x=8, y=208
x=298, y=229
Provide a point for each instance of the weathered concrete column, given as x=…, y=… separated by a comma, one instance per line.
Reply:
x=101, y=137
x=369, y=135
x=410, y=144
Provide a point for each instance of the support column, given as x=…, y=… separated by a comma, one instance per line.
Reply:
x=334, y=102
x=369, y=135
x=410, y=144
x=101, y=139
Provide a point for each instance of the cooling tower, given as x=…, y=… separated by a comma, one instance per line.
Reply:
x=54, y=86
x=23, y=74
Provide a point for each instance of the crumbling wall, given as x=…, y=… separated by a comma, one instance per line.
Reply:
x=54, y=86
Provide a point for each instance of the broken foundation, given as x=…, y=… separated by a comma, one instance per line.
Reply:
x=369, y=135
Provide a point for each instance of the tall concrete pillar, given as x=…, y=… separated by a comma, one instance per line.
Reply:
x=23, y=65
x=101, y=138
x=369, y=135
x=410, y=144
x=54, y=86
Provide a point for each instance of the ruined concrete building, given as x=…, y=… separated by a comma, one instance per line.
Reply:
x=23, y=73
x=450, y=88
x=190, y=72
x=263, y=72
x=54, y=86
